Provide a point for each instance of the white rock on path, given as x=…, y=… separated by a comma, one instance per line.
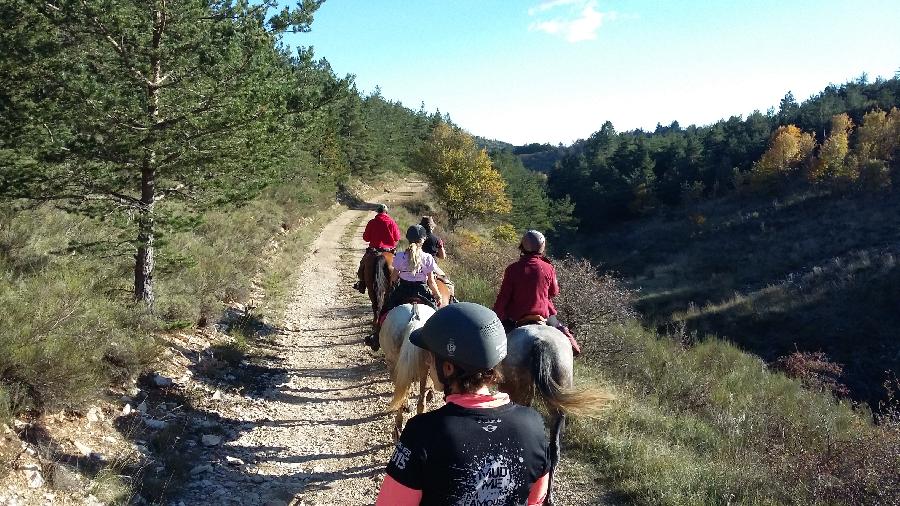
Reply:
x=155, y=424
x=33, y=476
x=83, y=448
x=162, y=381
x=202, y=468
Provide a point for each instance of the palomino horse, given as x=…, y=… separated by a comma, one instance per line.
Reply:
x=405, y=361
x=377, y=276
x=539, y=358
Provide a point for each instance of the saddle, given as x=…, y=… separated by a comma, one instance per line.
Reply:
x=531, y=319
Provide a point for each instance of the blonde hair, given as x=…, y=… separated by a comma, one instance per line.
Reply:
x=414, y=257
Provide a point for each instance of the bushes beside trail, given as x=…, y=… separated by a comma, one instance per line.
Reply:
x=69, y=327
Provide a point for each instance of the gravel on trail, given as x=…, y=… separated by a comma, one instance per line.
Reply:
x=319, y=433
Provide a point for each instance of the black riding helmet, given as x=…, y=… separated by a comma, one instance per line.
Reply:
x=466, y=334
x=415, y=233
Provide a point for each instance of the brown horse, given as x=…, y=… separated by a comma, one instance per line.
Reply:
x=377, y=277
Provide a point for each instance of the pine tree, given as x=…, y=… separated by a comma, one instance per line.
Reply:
x=133, y=102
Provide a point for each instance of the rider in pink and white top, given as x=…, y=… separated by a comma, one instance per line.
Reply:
x=415, y=270
x=401, y=264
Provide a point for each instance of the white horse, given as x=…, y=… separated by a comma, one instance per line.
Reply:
x=539, y=361
x=406, y=361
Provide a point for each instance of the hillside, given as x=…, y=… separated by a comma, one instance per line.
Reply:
x=809, y=271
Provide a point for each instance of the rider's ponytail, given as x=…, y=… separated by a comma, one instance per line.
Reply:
x=414, y=256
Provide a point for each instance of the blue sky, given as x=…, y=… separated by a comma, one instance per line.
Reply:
x=555, y=70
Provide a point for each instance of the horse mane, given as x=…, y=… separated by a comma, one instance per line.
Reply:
x=409, y=366
x=409, y=369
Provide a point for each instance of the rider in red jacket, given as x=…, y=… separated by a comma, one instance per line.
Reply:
x=382, y=234
x=528, y=286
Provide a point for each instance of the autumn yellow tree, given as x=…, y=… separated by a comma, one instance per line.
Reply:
x=879, y=135
x=461, y=175
x=789, y=148
x=833, y=165
x=878, y=138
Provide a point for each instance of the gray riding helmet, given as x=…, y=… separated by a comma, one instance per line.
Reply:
x=467, y=334
x=532, y=241
x=415, y=233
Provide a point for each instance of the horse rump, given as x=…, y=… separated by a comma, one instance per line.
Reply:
x=381, y=280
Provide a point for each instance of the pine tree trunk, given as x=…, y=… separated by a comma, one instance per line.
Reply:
x=143, y=259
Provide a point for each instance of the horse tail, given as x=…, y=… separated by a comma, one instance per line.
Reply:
x=409, y=368
x=381, y=277
x=551, y=380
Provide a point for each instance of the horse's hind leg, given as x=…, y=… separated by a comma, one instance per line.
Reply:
x=398, y=425
x=555, y=453
x=398, y=420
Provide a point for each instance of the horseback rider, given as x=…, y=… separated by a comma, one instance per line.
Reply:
x=435, y=247
x=382, y=233
x=479, y=448
x=413, y=271
x=528, y=288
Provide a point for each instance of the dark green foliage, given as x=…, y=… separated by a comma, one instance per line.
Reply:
x=532, y=208
x=140, y=103
x=168, y=142
x=612, y=176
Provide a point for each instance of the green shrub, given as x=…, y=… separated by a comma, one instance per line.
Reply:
x=62, y=340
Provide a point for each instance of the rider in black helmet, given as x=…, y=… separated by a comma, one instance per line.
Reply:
x=479, y=448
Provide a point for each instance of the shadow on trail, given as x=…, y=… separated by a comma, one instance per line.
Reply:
x=175, y=461
x=340, y=422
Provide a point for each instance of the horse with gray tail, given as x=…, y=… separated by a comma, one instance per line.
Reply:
x=539, y=359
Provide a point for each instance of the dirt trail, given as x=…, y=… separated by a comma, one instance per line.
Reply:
x=319, y=433
x=314, y=430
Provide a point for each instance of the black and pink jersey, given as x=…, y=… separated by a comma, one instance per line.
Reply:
x=462, y=456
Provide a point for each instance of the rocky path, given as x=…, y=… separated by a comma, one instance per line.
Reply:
x=311, y=427
x=318, y=434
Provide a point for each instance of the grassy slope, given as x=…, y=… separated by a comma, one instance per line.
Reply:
x=705, y=423
x=812, y=272
x=70, y=327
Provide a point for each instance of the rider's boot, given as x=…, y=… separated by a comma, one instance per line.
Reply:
x=576, y=348
x=372, y=340
x=360, y=285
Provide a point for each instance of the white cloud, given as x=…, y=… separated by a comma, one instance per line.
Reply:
x=579, y=20
x=551, y=4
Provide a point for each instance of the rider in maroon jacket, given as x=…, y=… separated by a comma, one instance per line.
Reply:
x=528, y=286
x=382, y=233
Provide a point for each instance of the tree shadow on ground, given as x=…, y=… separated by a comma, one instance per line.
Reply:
x=175, y=461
